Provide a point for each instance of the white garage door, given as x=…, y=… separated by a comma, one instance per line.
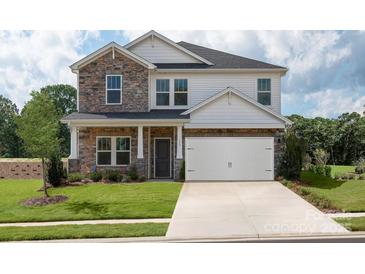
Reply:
x=229, y=158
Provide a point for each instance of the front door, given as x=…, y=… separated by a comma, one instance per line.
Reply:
x=162, y=158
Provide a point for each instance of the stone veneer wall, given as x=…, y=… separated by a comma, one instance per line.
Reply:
x=87, y=148
x=276, y=133
x=92, y=87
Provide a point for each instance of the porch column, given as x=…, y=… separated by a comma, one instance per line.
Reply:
x=74, y=153
x=140, y=143
x=179, y=154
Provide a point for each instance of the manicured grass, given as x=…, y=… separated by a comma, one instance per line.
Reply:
x=353, y=224
x=89, y=202
x=341, y=169
x=82, y=231
x=348, y=196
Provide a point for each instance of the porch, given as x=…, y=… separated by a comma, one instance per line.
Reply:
x=155, y=150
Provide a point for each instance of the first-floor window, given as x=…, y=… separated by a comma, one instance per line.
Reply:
x=113, y=151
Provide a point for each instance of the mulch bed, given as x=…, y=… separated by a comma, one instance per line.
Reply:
x=41, y=201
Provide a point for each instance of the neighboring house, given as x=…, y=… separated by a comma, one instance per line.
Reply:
x=154, y=103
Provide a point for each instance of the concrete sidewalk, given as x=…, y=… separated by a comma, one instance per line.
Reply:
x=346, y=215
x=89, y=222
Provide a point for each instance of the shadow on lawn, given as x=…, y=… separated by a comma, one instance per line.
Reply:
x=87, y=208
x=319, y=181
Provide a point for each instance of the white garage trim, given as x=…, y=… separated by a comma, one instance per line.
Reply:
x=229, y=158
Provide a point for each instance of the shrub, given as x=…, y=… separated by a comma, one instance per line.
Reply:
x=321, y=170
x=351, y=176
x=292, y=159
x=341, y=176
x=360, y=166
x=126, y=179
x=112, y=175
x=307, y=160
x=95, y=176
x=320, y=156
x=55, y=171
x=133, y=173
x=141, y=178
x=75, y=177
x=182, y=171
x=362, y=177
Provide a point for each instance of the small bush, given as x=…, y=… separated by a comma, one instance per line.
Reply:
x=95, y=176
x=321, y=170
x=362, y=177
x=133, y=173
x=360, y=166
x=55, y=171
x=341, y=176
x=321, y=157
x=126, y=179
x=141, y=178
x=351, y=176
x=112, y=175
x=182, y=171
x=307, y=160
x=75, y=177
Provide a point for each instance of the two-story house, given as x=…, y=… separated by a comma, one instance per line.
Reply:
x=155, y=103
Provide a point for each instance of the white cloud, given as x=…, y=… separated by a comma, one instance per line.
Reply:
x=331, y=103
x=30, y=60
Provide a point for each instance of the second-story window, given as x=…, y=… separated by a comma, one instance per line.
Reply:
x=264, y=91
x=114, y=89
x=181, y=92
x=162, y=92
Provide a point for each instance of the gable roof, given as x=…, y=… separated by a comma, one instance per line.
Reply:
x=171, y=43
x=224, y=60
x=111, y=46
x=242, y=96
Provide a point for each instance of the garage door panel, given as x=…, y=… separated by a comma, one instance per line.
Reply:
x=229, y=158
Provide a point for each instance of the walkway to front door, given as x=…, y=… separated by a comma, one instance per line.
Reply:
x=245, y=209
x=162, y=158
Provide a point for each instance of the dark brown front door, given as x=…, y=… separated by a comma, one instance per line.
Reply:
x=162, y=158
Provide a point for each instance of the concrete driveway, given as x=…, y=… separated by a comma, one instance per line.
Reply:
x=245, y=209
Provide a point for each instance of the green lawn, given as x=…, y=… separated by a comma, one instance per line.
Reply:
x=353, y=224
x=89, y=202
x=82, y=231
x=348, y=196
x=341, y=169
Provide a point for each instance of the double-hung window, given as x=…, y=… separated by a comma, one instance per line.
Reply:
x=181, y=92
x=113, y=151
x=163, y=92
x=264, y=91
x=114, y=89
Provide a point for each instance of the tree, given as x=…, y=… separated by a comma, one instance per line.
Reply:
x=291, y=162
x=38, y=127
x=64, y=99
x=10, y=143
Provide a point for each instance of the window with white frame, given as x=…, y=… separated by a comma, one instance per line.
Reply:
x=264, y=91
x=162, y=92
x=114, y=89
x=181, y=92
x=113, y=151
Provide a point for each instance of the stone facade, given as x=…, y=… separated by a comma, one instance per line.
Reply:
x=92, y=86
x=145, y=166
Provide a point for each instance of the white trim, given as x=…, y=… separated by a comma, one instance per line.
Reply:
x=241, y=95
x=154, y=157
x=125, y=122
x=109, y=47
x=168, y=41
x=256, y=125
x=179, y=153
x=74, y=143
x=120, y=90
x=113, y=151
x=226, y=70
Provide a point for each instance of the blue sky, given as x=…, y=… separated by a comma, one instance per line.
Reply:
x=326, y=69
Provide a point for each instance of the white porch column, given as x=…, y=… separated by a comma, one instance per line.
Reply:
x=140, y=143
x=74, y=153
x=179, y=154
